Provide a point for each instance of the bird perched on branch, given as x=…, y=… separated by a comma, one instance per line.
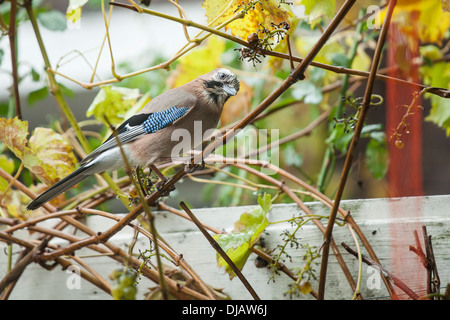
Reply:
x=151, y=136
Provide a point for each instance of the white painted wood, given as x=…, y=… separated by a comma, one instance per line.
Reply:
x=387, y=223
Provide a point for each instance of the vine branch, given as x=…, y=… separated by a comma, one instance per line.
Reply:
x=352, y=148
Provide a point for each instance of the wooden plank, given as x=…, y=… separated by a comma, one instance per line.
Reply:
x=387, y=223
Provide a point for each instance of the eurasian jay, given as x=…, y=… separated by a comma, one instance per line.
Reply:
x=146, y=138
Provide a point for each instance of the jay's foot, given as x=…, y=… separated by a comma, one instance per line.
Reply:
x=190, y=168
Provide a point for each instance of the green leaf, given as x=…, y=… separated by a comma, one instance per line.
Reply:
x=37, y=95
x=246, y=233
x=66, y=91
x=291, y=156
x=317, y=9
x=53, y=20
x=308, y=92
x=340, y=59
x=339, y=137
x=438, y=75
x=430, y=52
x=377, y=158
x=35, y=75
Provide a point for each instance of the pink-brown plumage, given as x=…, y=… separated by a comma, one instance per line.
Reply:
x=203, y=99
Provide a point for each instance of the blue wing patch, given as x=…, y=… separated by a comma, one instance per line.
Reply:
x=138, y=125
x=158, y=120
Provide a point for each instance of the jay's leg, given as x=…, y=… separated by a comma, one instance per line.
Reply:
x=163, y=179
x=190, y=168
x=141, y=180
x=159, y=173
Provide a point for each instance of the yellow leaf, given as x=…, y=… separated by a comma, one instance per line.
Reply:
x=49, y=156
x=198, y=62
x=15, y=202
x=263, y=12
x=12, y=203
x=112, y=103
x=361, y=61
x=433, y=22
x=13, y=133
x=7, y=165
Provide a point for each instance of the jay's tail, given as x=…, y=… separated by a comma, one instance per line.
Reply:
x=59, y=187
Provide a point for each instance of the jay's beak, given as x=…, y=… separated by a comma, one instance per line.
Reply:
x=230, y=90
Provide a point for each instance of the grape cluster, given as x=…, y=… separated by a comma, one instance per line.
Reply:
x=124, y=287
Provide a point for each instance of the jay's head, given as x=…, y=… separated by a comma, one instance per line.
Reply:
x=219, y=85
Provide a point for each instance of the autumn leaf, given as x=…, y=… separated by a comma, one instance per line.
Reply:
x=46, y=154
x=12, y=202
x=13, y=133
x=49, y=156
x=247, y=230
x=261, y=13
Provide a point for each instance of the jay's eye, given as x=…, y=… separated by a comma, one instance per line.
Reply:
x=222, y=76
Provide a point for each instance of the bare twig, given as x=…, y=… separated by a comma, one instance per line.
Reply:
x=434, y=282
x=189, y=23
x=400, y=284
x=18, y=269
x=351, y=151
x=102, y=283
x=280, y=266
x=297, y=74
x=12, y=46
x=308, y=212
x=428, y=261
x=220, y=251
x=174, y=179
x=328, y=161
x=53, y=85
x=288, y=43
x=149, y=214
